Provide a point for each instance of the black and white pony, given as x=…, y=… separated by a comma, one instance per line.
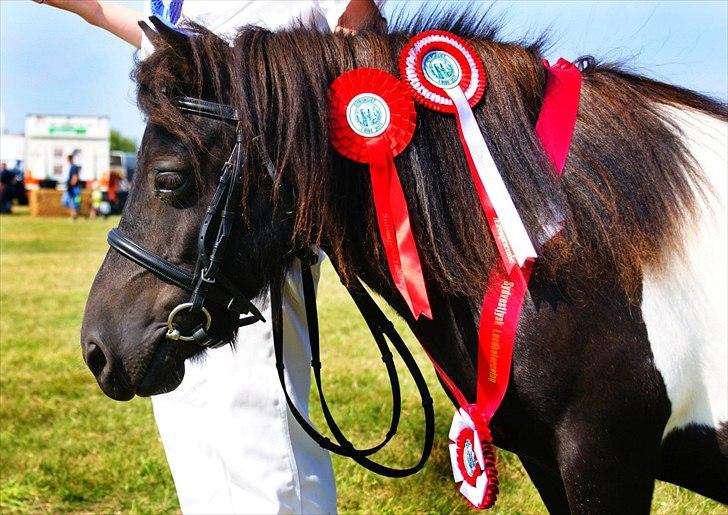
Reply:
x=619, y=368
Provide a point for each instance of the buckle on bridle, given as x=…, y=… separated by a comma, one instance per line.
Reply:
x=173, y=333
x=203, y=276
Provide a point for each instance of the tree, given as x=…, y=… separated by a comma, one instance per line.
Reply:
x=119, y=142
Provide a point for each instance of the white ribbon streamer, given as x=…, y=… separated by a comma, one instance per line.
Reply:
x=507, y=215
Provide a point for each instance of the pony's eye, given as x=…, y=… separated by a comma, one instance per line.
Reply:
x=168, y=181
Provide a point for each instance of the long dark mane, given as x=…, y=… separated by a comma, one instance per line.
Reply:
x=628, y=186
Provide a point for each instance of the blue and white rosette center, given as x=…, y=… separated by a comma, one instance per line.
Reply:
x=441, y=69
x=368, y=115
x=469, y=457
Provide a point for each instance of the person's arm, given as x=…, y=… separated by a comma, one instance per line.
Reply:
x=117, y=19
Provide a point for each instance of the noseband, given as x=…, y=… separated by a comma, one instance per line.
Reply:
x=207, y=283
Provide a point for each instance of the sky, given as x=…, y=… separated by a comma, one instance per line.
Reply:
x=52, y=62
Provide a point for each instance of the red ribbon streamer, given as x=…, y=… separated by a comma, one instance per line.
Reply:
x=498, y=323
x=557, y=119
x=394, y=228
x=508, y=282
x=506, y=292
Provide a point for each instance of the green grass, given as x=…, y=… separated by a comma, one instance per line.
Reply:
x=65, y=447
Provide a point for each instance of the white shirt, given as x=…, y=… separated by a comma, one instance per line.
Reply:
x=225, y=17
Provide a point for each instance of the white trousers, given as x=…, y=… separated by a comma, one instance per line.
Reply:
x=231, y=442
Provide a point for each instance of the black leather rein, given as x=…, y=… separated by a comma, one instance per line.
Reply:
x=207, y=283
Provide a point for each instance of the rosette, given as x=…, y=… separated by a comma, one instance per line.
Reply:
x=371, y=120
x=472, y=457
x=434, y=62
x=445, y=73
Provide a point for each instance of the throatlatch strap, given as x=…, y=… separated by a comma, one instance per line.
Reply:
x=381, y=329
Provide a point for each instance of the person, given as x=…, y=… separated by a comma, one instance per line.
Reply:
x=231, y=442
x=7, y=189
x=112, y=190
x=73, y=188
x=19, y=193
x=97, y=197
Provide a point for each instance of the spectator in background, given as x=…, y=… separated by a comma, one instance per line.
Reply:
x=73, y=188
x=113, y=189
x=97, y=197
x=19, y=193
x=99, y=201
x=7, y=189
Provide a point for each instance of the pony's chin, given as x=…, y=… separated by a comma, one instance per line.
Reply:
x=166, y=369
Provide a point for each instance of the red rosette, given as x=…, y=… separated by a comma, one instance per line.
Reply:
x=486, y=441
x=470, y=471
x=473, y=457
x=372, y=119
x=402, y=117
x=470, y=77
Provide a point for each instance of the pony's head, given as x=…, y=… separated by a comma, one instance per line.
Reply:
x=180, y=161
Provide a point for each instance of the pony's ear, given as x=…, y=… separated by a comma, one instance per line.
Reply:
x=149, y=32
x=170, y=35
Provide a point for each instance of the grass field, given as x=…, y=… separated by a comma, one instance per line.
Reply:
x=65, y=447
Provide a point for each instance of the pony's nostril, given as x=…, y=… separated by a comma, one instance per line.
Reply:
x=95, y=358
x=107, y=369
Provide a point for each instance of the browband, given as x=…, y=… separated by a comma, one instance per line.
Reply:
x=206, y=108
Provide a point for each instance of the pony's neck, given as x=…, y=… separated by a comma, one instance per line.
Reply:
x=622, y=160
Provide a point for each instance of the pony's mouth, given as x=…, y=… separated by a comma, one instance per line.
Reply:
x=166, y=368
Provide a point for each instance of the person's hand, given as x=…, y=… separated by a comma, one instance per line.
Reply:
x=358, y=15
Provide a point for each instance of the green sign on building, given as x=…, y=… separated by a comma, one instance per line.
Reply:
x=66, y=129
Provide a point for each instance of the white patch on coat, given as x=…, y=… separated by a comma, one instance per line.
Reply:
x=685, y=305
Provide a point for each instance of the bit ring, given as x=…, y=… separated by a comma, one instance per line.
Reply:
x=173, y=333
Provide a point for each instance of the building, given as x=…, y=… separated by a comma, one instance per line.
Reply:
x=50, y=139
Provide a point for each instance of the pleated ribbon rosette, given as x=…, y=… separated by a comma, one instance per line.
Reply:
x=472, y=457
x=372, y=119
x=445, y=73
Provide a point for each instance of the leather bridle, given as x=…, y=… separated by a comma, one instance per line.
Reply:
x=208, y=285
